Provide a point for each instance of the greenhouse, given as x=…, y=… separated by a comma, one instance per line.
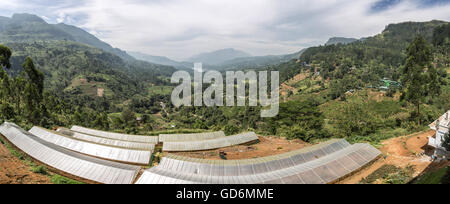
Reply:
x=131, y=156
x=116, y=136
x=326, y=169
x=210, y=144
x=190, y=137
x=250, y=166
x=106, y=141
x=67, y=161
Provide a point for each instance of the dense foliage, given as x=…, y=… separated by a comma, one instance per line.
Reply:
x=336, y=96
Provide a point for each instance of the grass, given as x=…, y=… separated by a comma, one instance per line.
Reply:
x=58, y=179
x=39, y=170
x=160, y=90
x=389, y=174
x=380, y=173
x=441, y=176
x=89, y=88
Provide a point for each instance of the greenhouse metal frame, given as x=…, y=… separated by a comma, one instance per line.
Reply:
x=250, y=166
x=326, y=169
x=107, y=141
x=141, y=157
x=67, y=161
x=190, y=137
x=116, y=136
x=210, y=144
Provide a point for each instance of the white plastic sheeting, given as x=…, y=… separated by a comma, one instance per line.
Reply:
x=442, y=127
x=210, y=144
x=190, y=137
x=116, y=136
x=106, y=141
x=141, y=157
x=250, y=166
x=326, y=169
x=73, y=163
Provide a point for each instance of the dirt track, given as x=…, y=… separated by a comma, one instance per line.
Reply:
x=15, y=171
x=400, y=152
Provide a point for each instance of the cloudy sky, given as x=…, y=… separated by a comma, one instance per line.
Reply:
x=182, y=28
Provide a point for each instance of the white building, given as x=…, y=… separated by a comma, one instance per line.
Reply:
x=441, y=126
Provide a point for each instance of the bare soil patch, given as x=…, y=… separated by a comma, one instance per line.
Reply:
x=15, y=171
x=267, y=146
x=400, y=152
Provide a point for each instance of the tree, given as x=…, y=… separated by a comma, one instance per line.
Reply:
x=231, y=129
x=128, y=115
x=19, y=86
x=101, y=121
x=35, y=76
x=446, y=141
x=418, y=74
x=5, y=55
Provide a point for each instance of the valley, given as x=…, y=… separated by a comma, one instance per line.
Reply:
x=56, y=75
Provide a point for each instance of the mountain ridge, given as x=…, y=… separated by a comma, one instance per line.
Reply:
x=25, y=27
x=218, y=56
x=340, y=40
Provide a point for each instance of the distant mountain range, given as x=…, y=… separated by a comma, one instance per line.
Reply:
x=235, y=60
x=66, y=53
x=218, y=57
x=160, y=60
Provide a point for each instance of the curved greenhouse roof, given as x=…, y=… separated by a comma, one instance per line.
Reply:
x=67, y=161
x=250, y=166
x=106, y=141
x=190, y=137
x=141, y=157
x=210, y=144
x=116, y=136
x=325, y=169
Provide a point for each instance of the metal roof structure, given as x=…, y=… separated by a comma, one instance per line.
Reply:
x=250, y=166
x=132, y=156
x=444, y=122
x=116, y=136
x=106, y=141
x=326, y=169
x=67, y=161
x=210, y=144
x=190, y=137
x=441, y=126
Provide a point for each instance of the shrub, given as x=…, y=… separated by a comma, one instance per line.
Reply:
x=39, y=170
x=57, y=179
x=231, y=129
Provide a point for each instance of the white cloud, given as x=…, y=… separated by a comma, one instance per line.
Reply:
x=181, y=28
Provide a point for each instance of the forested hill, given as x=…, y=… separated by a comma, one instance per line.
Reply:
x=31, y=28
x=75, y=62
x=387, y=50
x=370, y=59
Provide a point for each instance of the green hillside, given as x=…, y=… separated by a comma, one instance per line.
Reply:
x=338, y=93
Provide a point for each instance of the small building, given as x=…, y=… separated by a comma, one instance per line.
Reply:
x=441, y=126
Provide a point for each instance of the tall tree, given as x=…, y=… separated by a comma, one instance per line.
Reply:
x=419, y=75
x=446, y=141
x=6, y=111
x=5, y=55
x=36, y=77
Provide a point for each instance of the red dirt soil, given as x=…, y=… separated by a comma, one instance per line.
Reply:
x=266, y=147
x=400, y=152
x=15, y=171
